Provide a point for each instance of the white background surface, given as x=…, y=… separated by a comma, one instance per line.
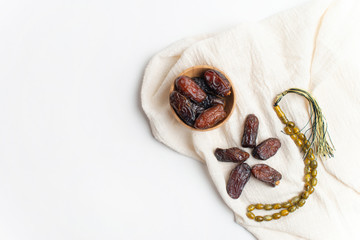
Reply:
x=77, y=158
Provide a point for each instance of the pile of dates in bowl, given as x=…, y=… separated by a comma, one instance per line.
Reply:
x=202, y=98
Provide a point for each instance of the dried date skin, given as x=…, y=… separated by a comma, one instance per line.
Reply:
x=198, y=109
x=187, y=87
x=250, y=131
x=217, y=82
x=234, y=154
x=266, y=149
x=266, y=174
x=210, y=117
x=239, y=176
x=217, y=100
x=183, y=108
x=212, y=100
x=203, y=85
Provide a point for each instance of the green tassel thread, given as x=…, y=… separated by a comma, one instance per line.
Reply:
x=319, y=138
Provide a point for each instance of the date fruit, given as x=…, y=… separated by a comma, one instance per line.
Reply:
x=212, y=100
x=266, y=149
x=202, y=84
x=184, y=108
x=210, y=117
x=187, y=87
x=217, y=82
x=239, y=176
x=266, y=174
x=234, y=154
x=250, y=131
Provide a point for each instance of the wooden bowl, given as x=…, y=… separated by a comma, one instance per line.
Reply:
x=198, y=71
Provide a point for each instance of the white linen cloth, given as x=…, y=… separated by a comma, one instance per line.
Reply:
x=315, y=47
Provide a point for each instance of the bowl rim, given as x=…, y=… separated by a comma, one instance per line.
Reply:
x=233, y=94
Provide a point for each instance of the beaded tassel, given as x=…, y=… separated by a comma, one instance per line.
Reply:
x=317, y=144
x=319, y=138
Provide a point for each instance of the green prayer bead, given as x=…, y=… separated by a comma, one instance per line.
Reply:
x=299, y=143
x=313, y=164
x=250, y=208
x=307, y=162
x=268, y=218
x=301, y=136
x=250, y=215
x=290, y=124
x=276, y=206
x=306, y=145
x=292, y=209
x=296, y=130
x=307, y=178
x=259, y=206
x=276, y=216
x=268, y=207
x=288, y=130
x=294, y=200
x=284, y=212
x=284, y=120
x=311, y=156
x=308, y=187
x=285, y=204
x=301, y=202
x=313, y=182
x=305, y=195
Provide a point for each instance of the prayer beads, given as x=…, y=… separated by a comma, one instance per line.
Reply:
x=309, y=178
